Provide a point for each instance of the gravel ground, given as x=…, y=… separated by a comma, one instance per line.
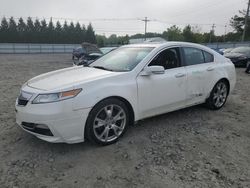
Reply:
x=194, y=147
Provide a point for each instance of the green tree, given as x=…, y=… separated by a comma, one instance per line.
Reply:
x=65, y=34
x=78, y=34
x=12, y=35
x=43, y=32
x=173, y=34
x=30, y=29
x=58, y=32
x=51, y=32
x=21, y=28
x=100, y=39
x=4, y=30
x=71, y=32
x=188, y=34
x=90, y=34
x=83, y=33
x=238, y=23
x=37, y=31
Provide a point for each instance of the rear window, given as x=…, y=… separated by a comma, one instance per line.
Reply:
x=208, y=57
x=194, y=56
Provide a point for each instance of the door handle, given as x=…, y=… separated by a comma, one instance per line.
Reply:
x=210, y=68
x=179, y=75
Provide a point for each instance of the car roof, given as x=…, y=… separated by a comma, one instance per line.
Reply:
x=165, y=44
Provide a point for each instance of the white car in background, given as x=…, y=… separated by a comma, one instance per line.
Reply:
x=128, y=84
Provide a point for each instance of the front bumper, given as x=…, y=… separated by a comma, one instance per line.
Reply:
x=66, y=124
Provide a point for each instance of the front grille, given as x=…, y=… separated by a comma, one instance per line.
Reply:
x=37, y=128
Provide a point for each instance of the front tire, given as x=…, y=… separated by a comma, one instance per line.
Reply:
x=218, y=95
x=107, y=121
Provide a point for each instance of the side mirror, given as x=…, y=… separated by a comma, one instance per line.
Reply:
x=153, y=70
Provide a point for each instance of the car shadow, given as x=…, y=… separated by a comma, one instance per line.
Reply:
x=140, y=127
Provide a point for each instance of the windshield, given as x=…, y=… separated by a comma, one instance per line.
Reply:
x=242, y=50
x=122, y=59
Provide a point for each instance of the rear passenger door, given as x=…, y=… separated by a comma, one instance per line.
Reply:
x=200, y=68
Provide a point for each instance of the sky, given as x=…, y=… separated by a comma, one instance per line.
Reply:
x=124, y=16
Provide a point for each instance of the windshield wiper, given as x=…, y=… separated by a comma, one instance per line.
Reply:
x=101, y=67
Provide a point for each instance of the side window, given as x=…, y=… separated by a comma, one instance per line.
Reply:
x=169, y=58
x=193, y=56
x=208, y=57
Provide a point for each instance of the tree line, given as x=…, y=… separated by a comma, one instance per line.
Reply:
x=40, y=31
x=188, y=34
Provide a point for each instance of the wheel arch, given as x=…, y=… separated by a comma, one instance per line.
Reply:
x=226, y=81
x=129, y=106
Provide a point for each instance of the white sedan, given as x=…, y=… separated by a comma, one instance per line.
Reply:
x=133, y=82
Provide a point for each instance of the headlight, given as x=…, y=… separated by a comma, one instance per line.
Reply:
x=55, y=97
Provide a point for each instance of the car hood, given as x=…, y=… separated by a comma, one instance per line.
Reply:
x=67, y=77
x=234, y=55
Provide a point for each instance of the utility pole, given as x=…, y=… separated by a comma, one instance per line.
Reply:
x=146, y=22
x=225, y=33
x=246, y=20
x=211, y=32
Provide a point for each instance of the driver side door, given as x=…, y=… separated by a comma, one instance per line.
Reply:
x=161, y=93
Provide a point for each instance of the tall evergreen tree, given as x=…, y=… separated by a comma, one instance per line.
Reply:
x=13, y=35
x=43, y=35
x=65, y=32
x=21, y=28
x=4, y=30
x=90, y=34
x=71, y=32
x=50, y=32
x=37, y=31
x=30, y=29
x=78, y=32
x=83, y=33
x=42, y=32
x=58, y=32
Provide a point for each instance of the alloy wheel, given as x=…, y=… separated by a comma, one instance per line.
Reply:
x=109, y=123
x=220, y=94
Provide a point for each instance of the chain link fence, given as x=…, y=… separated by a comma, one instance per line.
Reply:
x=22, y=48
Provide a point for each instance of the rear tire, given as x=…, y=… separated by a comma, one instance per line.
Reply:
x=218, y=95
x=107, y=122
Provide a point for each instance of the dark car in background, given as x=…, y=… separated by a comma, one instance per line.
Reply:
x=86, y=54
x=77, y=53
x=240, y=56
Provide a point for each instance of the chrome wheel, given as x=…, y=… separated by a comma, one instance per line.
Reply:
x=109, y=123
x=220, y=94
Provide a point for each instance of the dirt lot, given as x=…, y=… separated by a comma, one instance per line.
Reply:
x=194, y=147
